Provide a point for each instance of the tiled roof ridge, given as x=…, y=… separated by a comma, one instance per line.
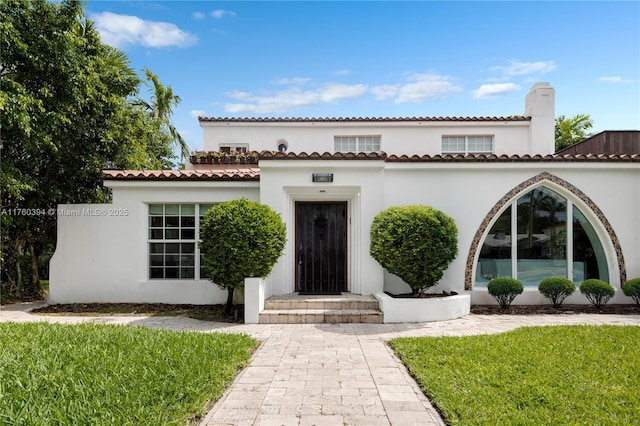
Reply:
x=252, y=174
x=513, y=158
x=276, y=155
x=353, y=119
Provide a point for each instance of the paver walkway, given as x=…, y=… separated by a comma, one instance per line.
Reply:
x=327, y=374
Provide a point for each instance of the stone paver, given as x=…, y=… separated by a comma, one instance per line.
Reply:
x=326, y=374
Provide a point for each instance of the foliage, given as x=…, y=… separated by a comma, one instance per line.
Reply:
x=417, y=243
x=632, y=289
x=556, y=289
x=66, y=114
x=116, y=375
x=504, y=290
x=597, y=292
x=240, y=239
x=530, y=376
x=569, y=131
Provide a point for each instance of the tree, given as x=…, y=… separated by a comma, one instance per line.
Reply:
x=240, y=239
x=572, y=130
x=417, y=243
x=65, y=116
x=160, y=107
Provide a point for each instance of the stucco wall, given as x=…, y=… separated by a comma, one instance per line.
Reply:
x=103, y=257
x=410, y=138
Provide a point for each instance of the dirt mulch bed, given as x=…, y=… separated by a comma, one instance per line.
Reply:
x=548, y=309
x=201, y=312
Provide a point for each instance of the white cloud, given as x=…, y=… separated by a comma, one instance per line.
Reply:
x=524, y=68
x=492, y=90
x=293, y=80
x=616, y=79
x=197, y=15
x=342, y=72
x=291, y=98
x=219, y=14
x=385, y=91
x=123, y=30
x=420, y=88
x=197, y=113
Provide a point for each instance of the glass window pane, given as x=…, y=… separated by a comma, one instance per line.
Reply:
x=542, y=236
x=589, y=260
x=156, y=221
x=172, y=209
x=172, y=248
x=172, y=234
x=156, y=273
x=156, y=260
x=495, y=256
x=156, y=248
x=204, y=208
x=188, y=209
x=172, y=221
x=155, y=234
x=156, y=209
x=187, y=260
x=187, y=248
x=186, y=273
x=188, y=234
x=171, y=273
x=172, y=260
x=188, y=221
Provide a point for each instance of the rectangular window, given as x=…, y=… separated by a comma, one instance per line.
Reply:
x=467, y=144
x=356, y=143
x=234, y=147
x=173, y=236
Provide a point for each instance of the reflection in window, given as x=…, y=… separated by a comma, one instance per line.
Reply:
x=539, y=243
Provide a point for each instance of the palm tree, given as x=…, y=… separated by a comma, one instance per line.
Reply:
x=572, y=130
x=161, y=108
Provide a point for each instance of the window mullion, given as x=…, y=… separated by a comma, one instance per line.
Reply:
x=514, y=239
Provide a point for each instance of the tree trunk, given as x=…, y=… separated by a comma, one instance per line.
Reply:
x=35, y=289
x=229, y=307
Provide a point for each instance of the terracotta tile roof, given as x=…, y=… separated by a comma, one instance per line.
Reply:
x=492, y=158
x=275, y=155
x=352, y=119
x=229, y=174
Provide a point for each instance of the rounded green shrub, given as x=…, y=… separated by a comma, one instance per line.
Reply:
x=556, y=289
x=240, y=239
x=598, y=292
x=504, y=290
x=417, y=243
x=632, y=289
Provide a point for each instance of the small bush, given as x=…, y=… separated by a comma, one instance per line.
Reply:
x=504, y=290
x=598, y=292
x=632, y=289
x=556, y=289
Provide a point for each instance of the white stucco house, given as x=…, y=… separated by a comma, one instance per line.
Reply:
x=522, y=211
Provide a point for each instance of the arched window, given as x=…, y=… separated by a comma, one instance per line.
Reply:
x=541, y=234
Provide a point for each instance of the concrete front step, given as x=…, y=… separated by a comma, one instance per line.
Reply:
x=345, y=308
x=320, y=316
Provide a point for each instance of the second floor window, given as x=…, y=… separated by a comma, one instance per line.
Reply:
x=467, y=144
x=357, y=143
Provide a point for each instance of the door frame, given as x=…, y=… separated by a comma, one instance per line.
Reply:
x=345, y=248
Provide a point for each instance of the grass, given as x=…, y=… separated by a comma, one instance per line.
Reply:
x=560, y=375
x=91, y=374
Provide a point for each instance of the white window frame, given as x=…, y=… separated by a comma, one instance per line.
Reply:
x=467, y=144
x=360, y=143
x=199, y=210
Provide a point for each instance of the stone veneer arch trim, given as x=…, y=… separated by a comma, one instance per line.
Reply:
x=511, y=195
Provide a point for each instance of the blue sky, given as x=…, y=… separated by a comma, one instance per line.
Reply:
x=392, y=59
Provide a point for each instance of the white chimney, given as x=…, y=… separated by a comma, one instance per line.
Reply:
x=540, y=106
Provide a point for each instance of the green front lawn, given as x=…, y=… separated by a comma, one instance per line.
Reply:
x=561, y=375
x=113, y=375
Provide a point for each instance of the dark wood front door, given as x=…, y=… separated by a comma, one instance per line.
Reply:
x=321, y=247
